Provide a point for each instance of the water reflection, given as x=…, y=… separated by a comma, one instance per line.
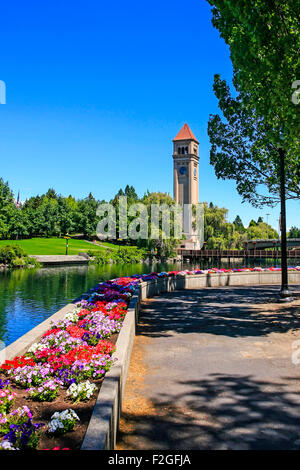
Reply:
x=28, y=297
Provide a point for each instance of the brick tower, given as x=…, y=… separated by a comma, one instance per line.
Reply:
x=186, y=180
x=186, y=163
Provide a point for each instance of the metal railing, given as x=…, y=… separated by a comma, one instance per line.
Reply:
x=236, y=253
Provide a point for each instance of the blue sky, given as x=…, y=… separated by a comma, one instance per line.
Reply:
x=96, y=91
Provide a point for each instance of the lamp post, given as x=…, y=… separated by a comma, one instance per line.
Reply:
x=285, y=294
x=67, y=242
x=267, y=226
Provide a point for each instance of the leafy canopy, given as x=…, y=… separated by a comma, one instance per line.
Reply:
x=263, y=37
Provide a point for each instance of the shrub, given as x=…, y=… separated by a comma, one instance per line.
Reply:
x=14, y=256
x=17, y=262
x=128, y=255
x=100, y=257
x=31, y=262
x=10, y=252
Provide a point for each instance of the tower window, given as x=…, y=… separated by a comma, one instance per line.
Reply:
x=186, y=150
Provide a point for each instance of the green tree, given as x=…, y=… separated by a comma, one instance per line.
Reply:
x=86, y=217
x=131, y=193
x=218, y=233
x=252, y=223
x=242, y=149
x=294, y=232
x=67, y=208
x=165, y=245
x=239, y=224
x=51, y=194
x=261, y=231
x=6, y=207
x=263, y=37
x=261, y=121
x=18, y=224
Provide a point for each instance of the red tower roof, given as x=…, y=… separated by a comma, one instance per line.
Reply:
x=185, y=133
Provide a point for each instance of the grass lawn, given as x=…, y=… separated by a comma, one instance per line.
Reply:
x=55, y=246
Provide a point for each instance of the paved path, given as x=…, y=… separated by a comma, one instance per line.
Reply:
x=212, y=369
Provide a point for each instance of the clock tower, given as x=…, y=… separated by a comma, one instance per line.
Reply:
x=186, y=163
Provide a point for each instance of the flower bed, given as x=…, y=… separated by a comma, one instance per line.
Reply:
x=65, y=369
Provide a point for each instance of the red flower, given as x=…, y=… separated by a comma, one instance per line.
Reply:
x=75, y=331
x=51, y=332
x=58, y=448
x=83, y=312
x=18, y=361
x=99, y=306
x=104, y=347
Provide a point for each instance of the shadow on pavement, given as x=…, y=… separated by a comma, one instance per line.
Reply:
x=221, y=412
x=219, y=311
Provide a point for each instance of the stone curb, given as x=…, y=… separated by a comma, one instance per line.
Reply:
x=102, y=431
x=21, y=345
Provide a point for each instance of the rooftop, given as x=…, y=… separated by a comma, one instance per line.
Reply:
x=185, y=133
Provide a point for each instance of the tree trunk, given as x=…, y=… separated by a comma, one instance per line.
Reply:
x=284, y=268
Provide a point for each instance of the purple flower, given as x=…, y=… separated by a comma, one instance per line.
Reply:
x=4, y=383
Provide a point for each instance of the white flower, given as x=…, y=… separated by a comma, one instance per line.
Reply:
x=6, y=445
x=84, y=389
x=72, y=316
x=36, y=347
x=59, y=420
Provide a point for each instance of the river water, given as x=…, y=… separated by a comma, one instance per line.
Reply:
x=27, y=297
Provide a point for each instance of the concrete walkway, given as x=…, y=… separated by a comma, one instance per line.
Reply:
x=212, y=369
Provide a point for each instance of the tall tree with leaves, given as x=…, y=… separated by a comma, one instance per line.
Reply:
x=262, y=121
x=243, y=148
x=238, y=223
x=7, y=208
x=294, y=232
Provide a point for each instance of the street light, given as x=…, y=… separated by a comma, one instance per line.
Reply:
x=67, y=242
x=267, y=226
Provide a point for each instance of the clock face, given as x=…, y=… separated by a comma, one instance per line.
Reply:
x=182, y=170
